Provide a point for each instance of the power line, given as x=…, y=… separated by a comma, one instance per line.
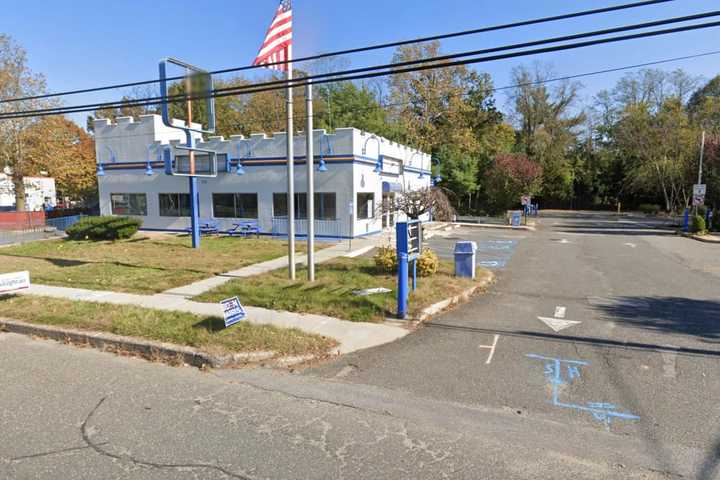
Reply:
x=494, y=89
x=236, y=90
x=363, y=49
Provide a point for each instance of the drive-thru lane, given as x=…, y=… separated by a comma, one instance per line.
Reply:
x=595, y=322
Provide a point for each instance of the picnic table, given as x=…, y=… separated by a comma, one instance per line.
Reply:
x=245, y=228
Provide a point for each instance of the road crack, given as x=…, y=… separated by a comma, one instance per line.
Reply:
x=97, y=447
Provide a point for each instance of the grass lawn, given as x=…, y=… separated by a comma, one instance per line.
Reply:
x=142, y=264
x=205, y=333
x=332, y=294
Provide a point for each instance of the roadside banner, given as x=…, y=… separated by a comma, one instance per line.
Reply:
x=12, y=282
x=233, y=311
x=699, y=192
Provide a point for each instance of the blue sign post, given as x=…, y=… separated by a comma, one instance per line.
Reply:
x=409, y=247
x=192, y=171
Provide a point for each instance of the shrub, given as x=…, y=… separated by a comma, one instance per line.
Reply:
x=104, y=228
x=698, y=224
x=386, y=259
x=649, y=208
x=427, y=263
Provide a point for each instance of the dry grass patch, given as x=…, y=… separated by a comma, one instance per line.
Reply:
x=332, y=294
x=143, y=264
x=205, y=333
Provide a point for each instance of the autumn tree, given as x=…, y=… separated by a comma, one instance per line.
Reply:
x=510, y=177
x=18, y=81
x=64, y=150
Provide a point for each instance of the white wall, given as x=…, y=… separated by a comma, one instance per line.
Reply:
x=349, y=170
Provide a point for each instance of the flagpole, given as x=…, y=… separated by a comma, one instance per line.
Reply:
x=290, y=169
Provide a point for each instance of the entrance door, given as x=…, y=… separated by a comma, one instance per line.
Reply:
x=388, y=210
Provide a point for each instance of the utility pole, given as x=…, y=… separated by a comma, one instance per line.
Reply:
x=702, y=152
x=310, y=161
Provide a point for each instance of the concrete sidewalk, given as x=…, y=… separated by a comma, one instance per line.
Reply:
x=351, y=336
x=359, y=246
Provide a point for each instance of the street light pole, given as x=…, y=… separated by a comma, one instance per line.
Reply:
x=310, y=161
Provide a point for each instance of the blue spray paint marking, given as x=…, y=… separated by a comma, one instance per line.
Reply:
x=601, y=411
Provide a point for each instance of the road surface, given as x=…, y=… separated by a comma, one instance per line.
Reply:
x=626, y=388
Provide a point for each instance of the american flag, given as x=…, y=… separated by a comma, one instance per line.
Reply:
x=278, y=41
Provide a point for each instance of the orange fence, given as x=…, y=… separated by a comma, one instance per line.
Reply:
x=21, y=220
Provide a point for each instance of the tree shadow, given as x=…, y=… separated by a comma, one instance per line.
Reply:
x=617, y=231
x=700, y=318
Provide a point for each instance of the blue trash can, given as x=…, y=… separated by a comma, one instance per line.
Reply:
x=516, y=218
x=465, y=259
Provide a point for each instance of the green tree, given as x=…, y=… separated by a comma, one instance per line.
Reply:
x=547, y=126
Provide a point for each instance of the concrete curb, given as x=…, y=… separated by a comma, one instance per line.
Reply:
x=702, y=238
x=434, y=309
x=145, y=348
x=527, y=228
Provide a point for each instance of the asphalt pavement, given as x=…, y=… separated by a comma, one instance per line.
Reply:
x=627, y=386
x=636, y=354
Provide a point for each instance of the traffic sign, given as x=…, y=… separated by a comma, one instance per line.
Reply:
x=525, y=200
x=699, y=192
x=233, y=311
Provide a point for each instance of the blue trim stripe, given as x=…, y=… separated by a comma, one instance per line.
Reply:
x=267, y=234
x=262, y=162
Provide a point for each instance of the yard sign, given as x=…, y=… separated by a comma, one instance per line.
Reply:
x=233, y=311
x=12, y=282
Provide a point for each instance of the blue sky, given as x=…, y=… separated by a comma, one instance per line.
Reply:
x=83, y=43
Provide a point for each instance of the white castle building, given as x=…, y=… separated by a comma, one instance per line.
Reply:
x=355, y=172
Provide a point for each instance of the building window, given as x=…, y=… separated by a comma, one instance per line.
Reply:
x=129, y=204
x=325, y=206
x=235, y=205
x=280, y=207
x=365, y=206
x=174, y=204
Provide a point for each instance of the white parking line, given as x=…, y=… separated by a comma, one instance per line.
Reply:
x=492, y=349
x=669, y=363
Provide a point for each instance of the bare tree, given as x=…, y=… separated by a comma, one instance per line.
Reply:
x=416, y=203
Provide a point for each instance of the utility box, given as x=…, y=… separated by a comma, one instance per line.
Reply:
x=465, y=259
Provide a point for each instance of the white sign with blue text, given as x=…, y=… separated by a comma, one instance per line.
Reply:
x=233, y=311
x=12, y=282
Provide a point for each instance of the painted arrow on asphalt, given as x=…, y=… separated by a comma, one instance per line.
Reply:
x=558, y=324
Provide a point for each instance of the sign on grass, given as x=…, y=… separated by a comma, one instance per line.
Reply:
x=12, y=282
x=233, y=311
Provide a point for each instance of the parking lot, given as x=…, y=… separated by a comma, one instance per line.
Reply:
x=495, y=247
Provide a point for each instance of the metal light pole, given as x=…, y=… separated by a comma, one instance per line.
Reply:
x=290, y=172
x=310, y=161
